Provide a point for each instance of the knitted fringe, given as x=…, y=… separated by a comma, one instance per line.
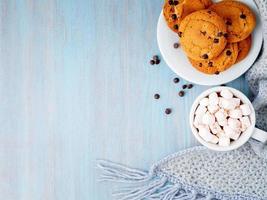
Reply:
x=144, y=185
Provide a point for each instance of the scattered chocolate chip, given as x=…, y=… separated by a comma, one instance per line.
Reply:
x=220, y=34
x=176, y=27
x=209, y=11
x=168, y=111
x=176, y=80
x=242, y=16
x=175, y=45
x=190, y=86
x=170, y=2
x=229, y=23
x=174, y=16
x=157, y=62
x=156, y=96
x=205, y=56
x=203, y=32
x=155, y=57
x=152, y=62
x=180, y=34
x=210, y=64
x=175, y=3
x=200, y=64
x=225, y=35
x=228, y=53
x=181, y=93
x=216, y=40
x=217, y=72
x=184, y=86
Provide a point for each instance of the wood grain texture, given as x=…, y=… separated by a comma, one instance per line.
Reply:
x=75, y=85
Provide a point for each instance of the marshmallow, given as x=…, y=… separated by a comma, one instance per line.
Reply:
x=245, y=109
x=201, y=110
x=214, y=139
x=198, y=121
x=221, y=115
x=205, y=133
x=213, y=99
x=213, y=108
x=220, y=134
x=236, y=113
x=224, y=141
x=215, y=128
x=231, y=133
x=245, y=123
x=208, y=119
x=204, y=102
x=236, y=101
x=227, y=94
x=227, y=104
x=235, y=124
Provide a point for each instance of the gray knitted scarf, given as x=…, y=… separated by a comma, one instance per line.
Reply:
x=198, y=173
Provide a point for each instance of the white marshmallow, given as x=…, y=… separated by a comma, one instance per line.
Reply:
x=224, y=141
x=204, y=102
x=201, y=110
x=236, y=101
x=214, y=139
x=235, y=124
x=213, y=99
x=220, y=134
x=208, y=119
x=231, y=133
x=227, y=94
x=215, y=128
x=198, y=121
x=220, y=115
x=227, y=104
x=213, y=108
x=245, y=123
x=245, y=109
x=205, y=134
x=223, y=122
x=236, y=113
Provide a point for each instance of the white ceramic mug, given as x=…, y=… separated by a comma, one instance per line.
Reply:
x=252, y=131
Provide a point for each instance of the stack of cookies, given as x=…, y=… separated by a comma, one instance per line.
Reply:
x=214, y=36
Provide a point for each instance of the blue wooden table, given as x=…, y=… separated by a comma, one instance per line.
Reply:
x=76, y=85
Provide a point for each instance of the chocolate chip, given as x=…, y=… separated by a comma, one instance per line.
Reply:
x=205, y=56
x=181, y=93
x=242, y=16
x=156, y=96
x=175, y=3
x=190, y=86
x=168, y=111
x=174, y=17
x=210, y=64
x=229, y=23
x=216, y=40
x=228, y=53
x=152, y=62
x=176, y=80
x=209, y=11
x=180, y=34
x=217, y=72
x=203, y=32
x=176, y=27
x=225, y=35
x=200, y=64
x=184, y=86
x=175, y=45
x=157, y=62
x=155, y=57
x=220, y=34
x=170, y=2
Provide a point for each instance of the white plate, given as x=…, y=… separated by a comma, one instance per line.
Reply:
x=178, y=62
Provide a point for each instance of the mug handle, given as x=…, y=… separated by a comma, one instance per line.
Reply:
x=259, y=135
